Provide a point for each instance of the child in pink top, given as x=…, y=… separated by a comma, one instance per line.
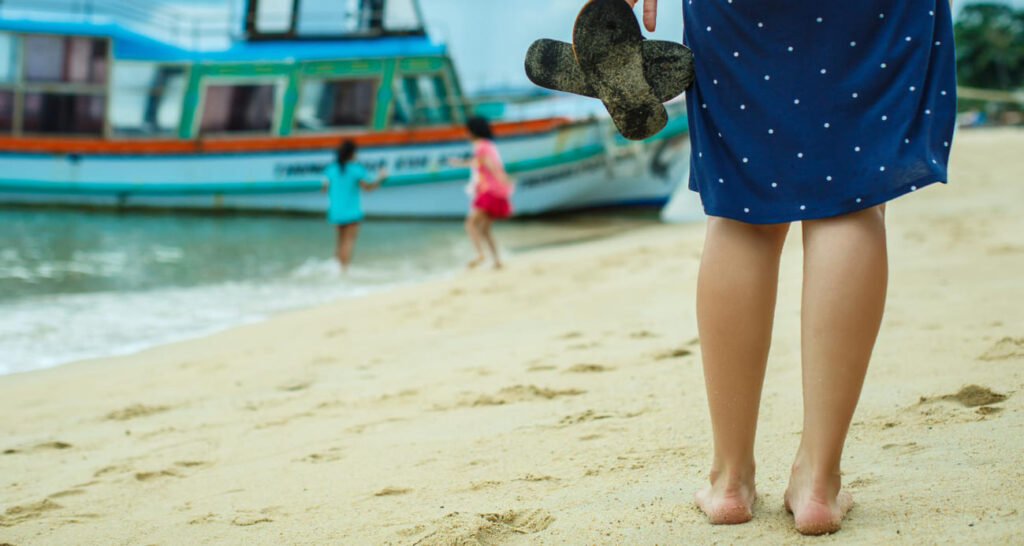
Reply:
x=490, y=189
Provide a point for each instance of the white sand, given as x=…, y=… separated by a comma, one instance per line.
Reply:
x=558, y=402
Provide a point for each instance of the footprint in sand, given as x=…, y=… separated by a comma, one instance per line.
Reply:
x=392, y=491
x=176, y=471
x=521, y=393
x=295, y=386
x=541, y=368
x=135, y=411
x=495, y=528
x=331, y=455
x=643, y=334
x=673, y=353
x=970, y=396
x=1008, y=348
x=27, y=512
x=588, y=368
x=905, y=448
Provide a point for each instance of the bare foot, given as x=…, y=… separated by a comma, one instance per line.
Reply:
x=817, y=509
x=475, y=262
x=727, y=504
x=498, y=266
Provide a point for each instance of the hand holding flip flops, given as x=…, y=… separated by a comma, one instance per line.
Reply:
x=610, y=60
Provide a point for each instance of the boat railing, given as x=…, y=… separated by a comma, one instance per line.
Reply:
x=167, y=22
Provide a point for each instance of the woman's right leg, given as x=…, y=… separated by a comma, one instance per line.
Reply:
x=736, y=290
x=475, y=236
x=348, y=242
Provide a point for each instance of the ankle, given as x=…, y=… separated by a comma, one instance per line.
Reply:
x=819, y=479
x=732, y=476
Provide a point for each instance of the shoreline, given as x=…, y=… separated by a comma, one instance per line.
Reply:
x=559, y=401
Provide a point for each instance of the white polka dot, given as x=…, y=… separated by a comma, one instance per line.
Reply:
x=800, y=155
x=771, y=131
x=855, y=95
x=932, y=13
x=828, y=178
x=796, y=101
x=746, y=210
x=704, y=106
x=721, y=181
x=938, y=43
x=913, y=188
x=743, y=107
x=709, y=29
x=906, y=141
x=884, y=118
x=820, y=19
x=856, y=148
x=912, y=88
x=746, y=160
x=803, y=207
x=853, y=44
x=935, y=162
x=790, y=48
x=883, y=65
x=881, y=16
x=907, y=38
x=882, y=168
x=775, y=184
x=946, y=144
x=700, y=154
x=823, y=71
x=858, y=199
x=827, y=125
x=735, y=53
x=767, y=77
x=943, y=93
x=715, y=82
x=719, y=135
x=760, y=25
x=928, y=112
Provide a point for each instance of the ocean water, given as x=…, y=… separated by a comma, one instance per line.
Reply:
x=77, y=285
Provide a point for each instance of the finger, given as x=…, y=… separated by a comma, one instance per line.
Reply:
x=650, y=14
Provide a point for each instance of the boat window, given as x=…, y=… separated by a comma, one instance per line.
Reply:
x=274, y=16
x=6, y=110
x=336, y=103
x=247, y=108
x=64, y=113
x=146, y=99
x=8, y=58
x=65, y=59
x=421, y=100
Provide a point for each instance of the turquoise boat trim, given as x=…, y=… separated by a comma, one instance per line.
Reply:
x=298, y=186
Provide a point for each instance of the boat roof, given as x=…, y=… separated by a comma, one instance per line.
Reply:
x=133, y=46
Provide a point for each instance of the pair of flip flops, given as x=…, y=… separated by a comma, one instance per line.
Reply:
x=611, y=60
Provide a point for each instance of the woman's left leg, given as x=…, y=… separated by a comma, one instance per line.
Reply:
x=845, y=278
x=339, y=245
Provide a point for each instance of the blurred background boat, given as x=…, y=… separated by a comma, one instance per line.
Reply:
x=104, y=103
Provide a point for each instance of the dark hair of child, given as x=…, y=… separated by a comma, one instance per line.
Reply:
x=346, y=153
x=479, y=127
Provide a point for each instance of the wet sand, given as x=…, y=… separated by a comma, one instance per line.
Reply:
x=557, y=402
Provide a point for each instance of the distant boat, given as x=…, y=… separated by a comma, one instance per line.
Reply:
x=100, y=107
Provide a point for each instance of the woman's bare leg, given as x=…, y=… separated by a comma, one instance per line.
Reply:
x=736, y=291
x=475, y=236
x=845, y=277
x=485, y=230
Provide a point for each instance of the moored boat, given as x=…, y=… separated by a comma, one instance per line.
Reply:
x=96, y=111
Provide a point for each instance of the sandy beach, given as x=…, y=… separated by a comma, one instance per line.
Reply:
x=559, y=401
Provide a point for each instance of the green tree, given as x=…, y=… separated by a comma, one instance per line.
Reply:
x=990, y=46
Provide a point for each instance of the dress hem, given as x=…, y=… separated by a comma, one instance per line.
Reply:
x=829, y=212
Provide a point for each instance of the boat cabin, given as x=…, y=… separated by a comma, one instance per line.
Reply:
x=286, y=68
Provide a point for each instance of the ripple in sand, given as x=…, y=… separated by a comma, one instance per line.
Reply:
x=1005, y=349
x=495, y=528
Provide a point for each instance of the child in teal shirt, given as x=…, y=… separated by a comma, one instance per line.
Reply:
x=343, y=180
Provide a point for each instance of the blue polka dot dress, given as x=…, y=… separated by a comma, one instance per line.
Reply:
x=808, y=108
